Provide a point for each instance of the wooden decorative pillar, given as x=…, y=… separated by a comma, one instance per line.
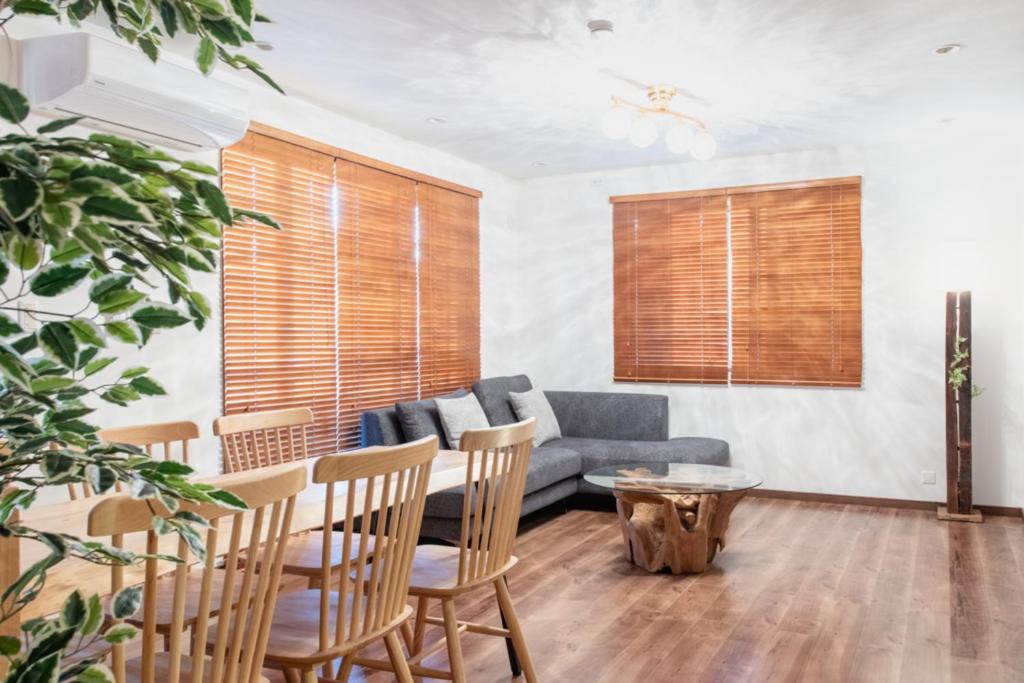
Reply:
x=959, y=484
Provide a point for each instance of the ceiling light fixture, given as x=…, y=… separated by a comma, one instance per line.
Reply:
x=263, y=45
x=948, y=49
x=435, y=120
x=640, y=124
x=601, y=29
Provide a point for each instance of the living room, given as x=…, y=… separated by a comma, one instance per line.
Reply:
x=720, y=253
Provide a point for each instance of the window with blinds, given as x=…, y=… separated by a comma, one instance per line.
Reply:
x=367, y=296
x=748, y=285
x=671, y=290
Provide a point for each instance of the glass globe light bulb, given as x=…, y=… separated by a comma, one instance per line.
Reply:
x=704, y=146
x=643, y=132
x=615, y=123
x=679, y=138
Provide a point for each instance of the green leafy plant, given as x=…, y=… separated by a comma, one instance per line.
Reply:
x=99, y=238
x=958, y=368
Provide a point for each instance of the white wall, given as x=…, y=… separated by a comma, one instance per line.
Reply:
x=936, y=216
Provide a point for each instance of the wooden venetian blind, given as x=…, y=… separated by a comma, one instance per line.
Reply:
x=368, y=295
x=671, y=290
x=378, y=356
x=449, y=273
x=796, y=299
x=279, y=312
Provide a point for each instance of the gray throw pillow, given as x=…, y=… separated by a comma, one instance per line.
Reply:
x=534, y=403
x=420, y=418
x=459, y=415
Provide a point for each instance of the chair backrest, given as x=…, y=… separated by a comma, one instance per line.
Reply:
x=376, y=560
x=147, y=437
x=495, y=479
x=241, y=633
x=251, y=440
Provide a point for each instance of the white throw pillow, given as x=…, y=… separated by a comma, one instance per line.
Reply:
x=534, y=403
x=459, y=415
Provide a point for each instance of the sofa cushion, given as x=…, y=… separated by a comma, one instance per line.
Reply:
x=534, y=403
x=460, y=415
x=547, y=466
x=420, y=418
x=596, y=453
x=493, y=395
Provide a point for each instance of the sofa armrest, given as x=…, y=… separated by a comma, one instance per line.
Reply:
x=611, y=415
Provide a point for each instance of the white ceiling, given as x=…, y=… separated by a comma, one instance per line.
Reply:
x=521, y=83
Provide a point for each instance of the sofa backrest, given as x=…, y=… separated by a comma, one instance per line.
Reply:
x=493, y=396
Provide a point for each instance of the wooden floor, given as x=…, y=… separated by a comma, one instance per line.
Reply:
x=804, y=592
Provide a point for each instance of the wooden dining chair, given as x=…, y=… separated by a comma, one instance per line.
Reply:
x=314, y=628
x=237, y=640
x=251, y=440
x=148, y=437
x=495, y=479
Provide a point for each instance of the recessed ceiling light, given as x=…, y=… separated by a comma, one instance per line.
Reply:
x=263, y=45
x=947, y=49
x=435, y=120
x=600, y=29
x=540, y=164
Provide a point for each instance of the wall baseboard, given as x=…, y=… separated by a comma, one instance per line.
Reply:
x=990, y=510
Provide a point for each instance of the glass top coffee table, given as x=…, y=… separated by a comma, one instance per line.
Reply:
x=674, y=515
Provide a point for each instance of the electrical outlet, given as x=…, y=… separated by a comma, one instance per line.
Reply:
x=927, y=477
x=25, y=319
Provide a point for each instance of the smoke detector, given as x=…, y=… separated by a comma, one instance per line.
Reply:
x=600, y=29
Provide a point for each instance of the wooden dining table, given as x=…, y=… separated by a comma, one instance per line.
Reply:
x=448, y=469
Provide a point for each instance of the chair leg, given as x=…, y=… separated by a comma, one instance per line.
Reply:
x=419, y=624
x=451, y=632
x=345, y=670
x=291, y=675
x=516, y=631
x=309, y=676
x=513, y=657
x=397, y=658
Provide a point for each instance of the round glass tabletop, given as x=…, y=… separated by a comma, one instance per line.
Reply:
x=672, y=478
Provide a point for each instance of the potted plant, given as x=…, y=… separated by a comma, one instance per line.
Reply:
x=126, y=224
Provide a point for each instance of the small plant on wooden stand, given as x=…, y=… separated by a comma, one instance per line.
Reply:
x=113, y=219
x=958, y=369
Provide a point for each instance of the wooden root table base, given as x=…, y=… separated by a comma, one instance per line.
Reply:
x=679, y=532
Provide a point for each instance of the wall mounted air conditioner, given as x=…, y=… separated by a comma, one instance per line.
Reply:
x=120, y=91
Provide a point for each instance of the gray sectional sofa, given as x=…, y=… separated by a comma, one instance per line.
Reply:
x=598, y=429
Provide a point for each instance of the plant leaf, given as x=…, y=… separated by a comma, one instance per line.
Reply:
x=25, y=253
x=119, y=300
x=34, y=7
x=87, y=332
x=117, y=210
x=243, y=8
x=20, y=196
x=159, y=315
x=148, y=386
x=64, y=215
x=105, y=284
x=126, y=602
x=58, y=124
x=57, y=278
x=122, y=331
x=205, y=54
x=97, y=365
x=8, y=327
x=13, y=105
x=59, y=343
x=213, y=200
